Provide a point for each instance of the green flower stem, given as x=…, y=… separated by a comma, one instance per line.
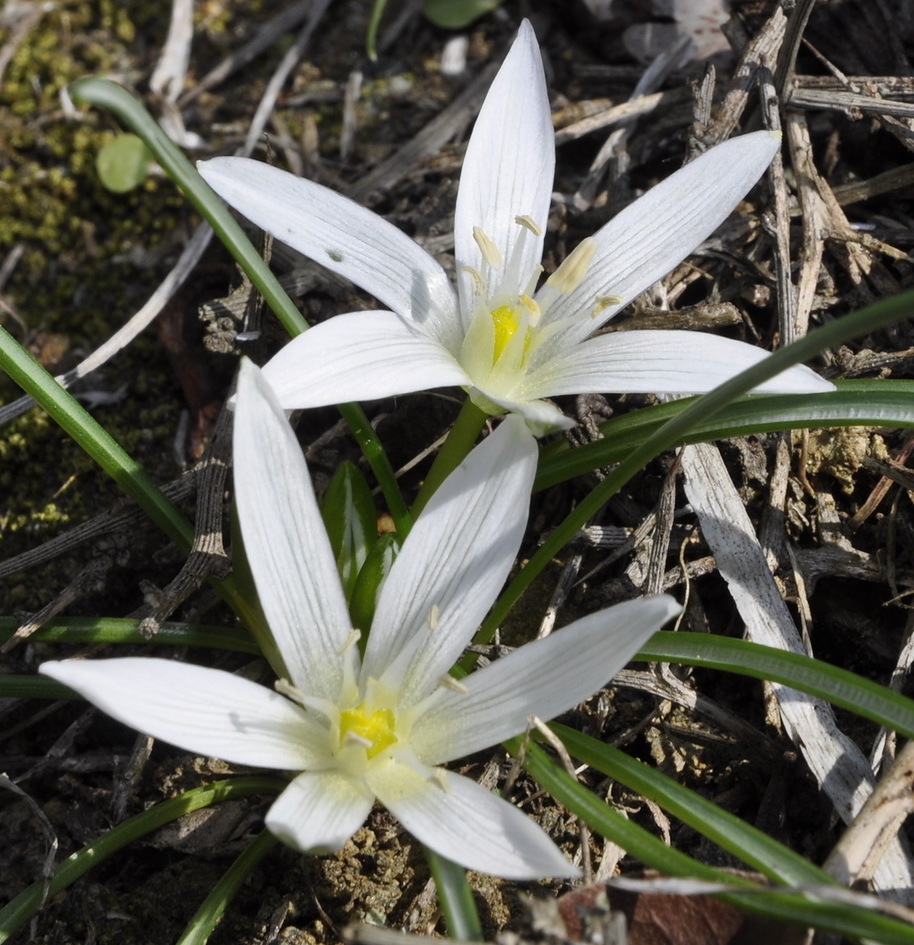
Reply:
x=79, y=424
x=455, y=898
x=453, y=452
x=116, y=99
x=205, y=919
x=15, y=914
x=879, y=315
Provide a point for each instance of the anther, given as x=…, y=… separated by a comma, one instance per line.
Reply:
x=488, y=249
x=530, y=224
x=433, y=615
x=439, y=776
x=574, y=267
x=604, y=302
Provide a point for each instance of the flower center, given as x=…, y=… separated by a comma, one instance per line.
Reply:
x=506, y=320
x=373, y=730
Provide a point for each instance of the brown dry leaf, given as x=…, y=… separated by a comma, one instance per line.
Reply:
x=663, y=918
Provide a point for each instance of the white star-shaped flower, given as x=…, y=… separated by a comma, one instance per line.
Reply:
x=378, y=727
x=507, y=339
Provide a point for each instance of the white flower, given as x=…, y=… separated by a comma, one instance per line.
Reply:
x=378, y=727
x=509, y=343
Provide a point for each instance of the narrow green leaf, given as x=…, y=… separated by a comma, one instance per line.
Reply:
x=778, y=903
x=455, y=898
x=838, y=686
x=205, y=919
x=365, y=594
x=16, y=913
x=351, y=520
x=751, y=845
x=123, y=630
x=888, y=403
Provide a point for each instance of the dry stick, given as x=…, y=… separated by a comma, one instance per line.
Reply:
x=21, y=26
x=675, y=690
x=796, y=26
x=864, y=843
x=290, y=60
x=792, y=324
x=90, y=579
x=446, y=126
x=655, y=74
x=267, y=35
x=168, y=76
x=837, y=763
x=880, y=490
x=761, y=48
x=188, y=260
x=610, y=115
x=120, y=517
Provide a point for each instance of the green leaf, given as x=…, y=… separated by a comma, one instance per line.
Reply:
x=19, y=910
x=750, y=844
x=125, y=630
x=455, y=14
x=888, y=403
x=787, y=905
x=123, y=163
x=365, y=594
x=838, y=686
x=351, y=521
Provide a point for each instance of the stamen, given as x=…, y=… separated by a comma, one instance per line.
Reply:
x=433, y=615
x=488, y=249
x=604, y=301
x=479, y=284
x=285, y=688
x=447, y=681
x=530, y=224
x=531, y=306
x=352, y=739
x=439, y=776
x=350, y=641
x=574, y=267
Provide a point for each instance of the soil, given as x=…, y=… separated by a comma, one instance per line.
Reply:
x=76, y=261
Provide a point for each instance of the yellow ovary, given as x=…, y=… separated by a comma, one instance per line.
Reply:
x=506, y=320
x=375, y=730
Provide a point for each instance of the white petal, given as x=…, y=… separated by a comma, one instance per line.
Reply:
x=508, y=168
x=286, y=544
x=359, y=356
x=464, y=822
x=206, y=711
x=319, y=811
x=543, y=678
x=343, y=236
x=541, y=417
x=655, y=233
x=455, y=559
x=662, y=362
